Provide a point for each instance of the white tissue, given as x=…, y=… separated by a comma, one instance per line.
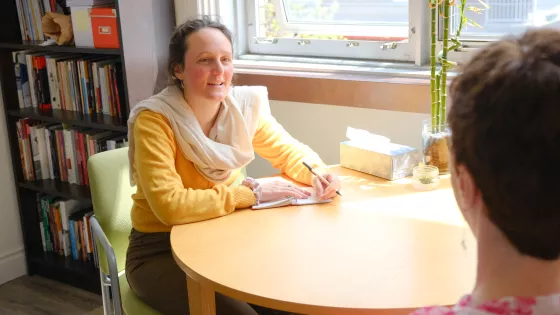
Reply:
x=365, y=139
x=48, y=42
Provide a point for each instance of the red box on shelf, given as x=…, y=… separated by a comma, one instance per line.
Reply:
x=104, y=27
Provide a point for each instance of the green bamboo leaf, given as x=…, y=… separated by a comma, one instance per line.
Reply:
x=476, y=10
x=484, y=4
x=473, y=23
x=449, y=63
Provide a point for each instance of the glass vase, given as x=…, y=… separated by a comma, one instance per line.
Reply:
x=435, y=145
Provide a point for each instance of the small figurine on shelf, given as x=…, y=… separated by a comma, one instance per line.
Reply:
x=58, y=27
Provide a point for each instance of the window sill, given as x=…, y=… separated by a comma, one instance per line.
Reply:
x=373, y=85
x=338, y=69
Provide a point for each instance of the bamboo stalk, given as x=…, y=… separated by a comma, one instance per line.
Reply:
x=438, y=100
x=443, y=85
x=462, y=18
x=433, y=7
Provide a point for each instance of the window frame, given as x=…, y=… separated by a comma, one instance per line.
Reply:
x=383, y=50
x=238, y=16
x=483, y=38
x=235, y=15
x=472, y=44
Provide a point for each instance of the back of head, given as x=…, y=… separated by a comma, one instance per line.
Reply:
x=505, y=122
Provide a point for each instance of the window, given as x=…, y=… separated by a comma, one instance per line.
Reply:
x=343, y=19
x=509, y=17
x=371, y=30
x=363, y=29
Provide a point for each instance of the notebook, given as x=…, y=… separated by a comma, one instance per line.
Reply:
x=291, y=201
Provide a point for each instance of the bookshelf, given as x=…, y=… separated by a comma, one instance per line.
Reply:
x=142, y=73
x=100, y=121
x=35, y=45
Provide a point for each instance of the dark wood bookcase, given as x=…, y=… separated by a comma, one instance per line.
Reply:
x=142, y=68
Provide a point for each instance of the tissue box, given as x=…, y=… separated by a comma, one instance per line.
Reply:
x=391, y=161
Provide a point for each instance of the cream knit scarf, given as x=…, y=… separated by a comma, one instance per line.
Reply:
x=229, y=144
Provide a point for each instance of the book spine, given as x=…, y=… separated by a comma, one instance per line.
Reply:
x=73, y=239
x=40, y=219
x=43, y=83
x=17, y=70
x=49, y=152
x=35, y=153
x=45, y=216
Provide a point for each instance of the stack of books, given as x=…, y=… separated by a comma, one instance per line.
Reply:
x=60, y=152
x=65, y=227
x=30, y=13
x=83, y=83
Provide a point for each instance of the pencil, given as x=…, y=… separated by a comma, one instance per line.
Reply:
x=319, y=176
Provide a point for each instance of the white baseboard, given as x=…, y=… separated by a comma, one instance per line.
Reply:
x=12, y=265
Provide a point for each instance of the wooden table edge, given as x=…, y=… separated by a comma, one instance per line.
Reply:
x=286, y=306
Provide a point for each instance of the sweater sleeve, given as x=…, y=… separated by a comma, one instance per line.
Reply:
x=275, y=144
x=163, y=188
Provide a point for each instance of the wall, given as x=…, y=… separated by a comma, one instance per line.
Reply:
x=323, y=127
x=145, y=29
x=12, y=255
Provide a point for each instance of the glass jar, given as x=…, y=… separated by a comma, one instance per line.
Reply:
x=425, y=177
x=435, y=145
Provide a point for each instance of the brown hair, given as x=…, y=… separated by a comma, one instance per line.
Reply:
x=505, y=122
x=178, y=42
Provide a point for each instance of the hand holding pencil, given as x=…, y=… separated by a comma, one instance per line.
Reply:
x=326, y=186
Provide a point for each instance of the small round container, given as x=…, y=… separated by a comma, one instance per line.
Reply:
x=425, y=177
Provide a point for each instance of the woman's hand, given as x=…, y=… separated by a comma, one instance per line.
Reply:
x=323, y=190
x=276, y=190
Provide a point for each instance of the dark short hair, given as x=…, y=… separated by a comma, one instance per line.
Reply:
x=178, y=42
x=505, y=124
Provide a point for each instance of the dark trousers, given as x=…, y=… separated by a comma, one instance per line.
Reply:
x=157, y=280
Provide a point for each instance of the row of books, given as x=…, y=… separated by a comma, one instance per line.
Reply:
x=65, y=227
x=87, y=84
x=30, y=13
x=58, y=151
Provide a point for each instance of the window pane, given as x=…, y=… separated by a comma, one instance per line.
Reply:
x=509, y=17
x=334, y=19
x=364, y=12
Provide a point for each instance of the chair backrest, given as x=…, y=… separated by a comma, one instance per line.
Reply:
x=242, y=175
x=111, y=197
x=111, y=193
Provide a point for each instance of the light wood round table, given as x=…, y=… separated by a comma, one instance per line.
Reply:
x=381, y=248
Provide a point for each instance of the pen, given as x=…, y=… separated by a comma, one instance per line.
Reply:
x=319, y=176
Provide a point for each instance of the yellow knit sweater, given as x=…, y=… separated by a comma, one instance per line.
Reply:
x=170, y=191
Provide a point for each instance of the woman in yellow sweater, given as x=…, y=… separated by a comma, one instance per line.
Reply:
x=187, y=146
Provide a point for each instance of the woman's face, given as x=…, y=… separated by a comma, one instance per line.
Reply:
x=208, y=65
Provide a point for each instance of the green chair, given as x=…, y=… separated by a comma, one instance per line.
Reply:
x=111, y=196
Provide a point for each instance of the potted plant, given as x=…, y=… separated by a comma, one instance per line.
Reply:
x=435, y=131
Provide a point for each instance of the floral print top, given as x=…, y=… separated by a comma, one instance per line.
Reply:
x=542, y=305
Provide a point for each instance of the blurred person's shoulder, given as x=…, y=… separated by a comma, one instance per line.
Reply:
x=542, y=305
